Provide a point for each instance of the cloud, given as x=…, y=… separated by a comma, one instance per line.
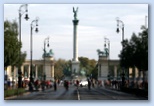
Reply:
x=96, y=21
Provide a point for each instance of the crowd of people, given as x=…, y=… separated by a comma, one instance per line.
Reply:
x=41, y=84
x=116, y=84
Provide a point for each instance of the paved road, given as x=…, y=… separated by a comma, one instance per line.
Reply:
x=49, y=94
x=83, y=93
x=106, y=94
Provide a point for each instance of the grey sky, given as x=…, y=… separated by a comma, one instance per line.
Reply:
x=96, y=21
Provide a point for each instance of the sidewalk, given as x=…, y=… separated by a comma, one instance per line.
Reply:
x=26, y=93
x=114, y=89
x=14, y=96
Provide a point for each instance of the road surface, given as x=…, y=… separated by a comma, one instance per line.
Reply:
x=83, y=93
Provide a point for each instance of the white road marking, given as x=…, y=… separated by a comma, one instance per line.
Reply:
x=78, y=94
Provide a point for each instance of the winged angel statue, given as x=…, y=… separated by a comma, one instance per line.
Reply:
x=75, y=13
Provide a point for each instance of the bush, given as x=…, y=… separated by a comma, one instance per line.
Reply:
x=12, y=92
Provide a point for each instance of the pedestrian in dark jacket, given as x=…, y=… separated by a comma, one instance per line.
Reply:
x=89, y=84
x=55, y=85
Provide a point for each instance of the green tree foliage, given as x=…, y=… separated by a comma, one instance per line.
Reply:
x=135, y=51
x=58, y=68
x=63, y=67
x=12, y=45
x=94, y=72
x=67, y=68
x=88, y=65
x=141, y=54
x=84, y=61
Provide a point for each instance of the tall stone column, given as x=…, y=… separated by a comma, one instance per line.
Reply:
x=75, y=62
x=75, y=41
x=22, y=69
x=52, y=71
x=115, y=72
x=136, y=73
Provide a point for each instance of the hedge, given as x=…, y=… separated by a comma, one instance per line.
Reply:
x=12, y=92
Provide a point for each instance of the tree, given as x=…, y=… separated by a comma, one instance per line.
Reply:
x=141, y=53
x=126, y=55
x=84, y=61
x=94, y=72
x=135, y=51
x=67, y=68
x=12, y=46
x=62, y=68
x=88, y=65
x=58, y=68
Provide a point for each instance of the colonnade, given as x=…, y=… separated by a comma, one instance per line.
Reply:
x=115, y=73
x=110, y=69
x=38, y=67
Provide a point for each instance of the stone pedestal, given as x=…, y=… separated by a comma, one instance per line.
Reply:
x=103, y=68
x=49, y=69
x=75, y=67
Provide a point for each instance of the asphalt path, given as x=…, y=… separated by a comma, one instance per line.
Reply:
x=106, y=94
x=50, y=94
x=82, y=93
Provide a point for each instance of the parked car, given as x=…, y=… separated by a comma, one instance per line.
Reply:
x=83, y=83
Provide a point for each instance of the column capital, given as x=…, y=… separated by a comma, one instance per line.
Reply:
x=75, y=22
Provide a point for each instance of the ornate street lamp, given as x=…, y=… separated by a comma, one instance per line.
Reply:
x=25, y=7
x=31, y=47
x=122, y=27
x=108, y=42
x=46, y=43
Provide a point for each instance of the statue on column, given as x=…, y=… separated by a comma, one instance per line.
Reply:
x=48, y=54
x=75, y=13
x=106, y=50
x=103, y=53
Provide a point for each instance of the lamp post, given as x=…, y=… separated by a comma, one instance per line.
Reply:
x=46, y=43
x=31, y=46
x=146, y=22
x=25, y=7
x=122, y=27
x=108, y=42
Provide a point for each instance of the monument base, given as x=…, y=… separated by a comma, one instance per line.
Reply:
x=75, y=67
x=103, y=78
x=103, y=68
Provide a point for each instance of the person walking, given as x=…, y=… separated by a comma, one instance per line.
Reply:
x=77, y=83
x=55, y=85
x=43, y=85
x=89, y=84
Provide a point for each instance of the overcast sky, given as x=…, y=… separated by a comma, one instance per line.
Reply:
x=96, y=21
